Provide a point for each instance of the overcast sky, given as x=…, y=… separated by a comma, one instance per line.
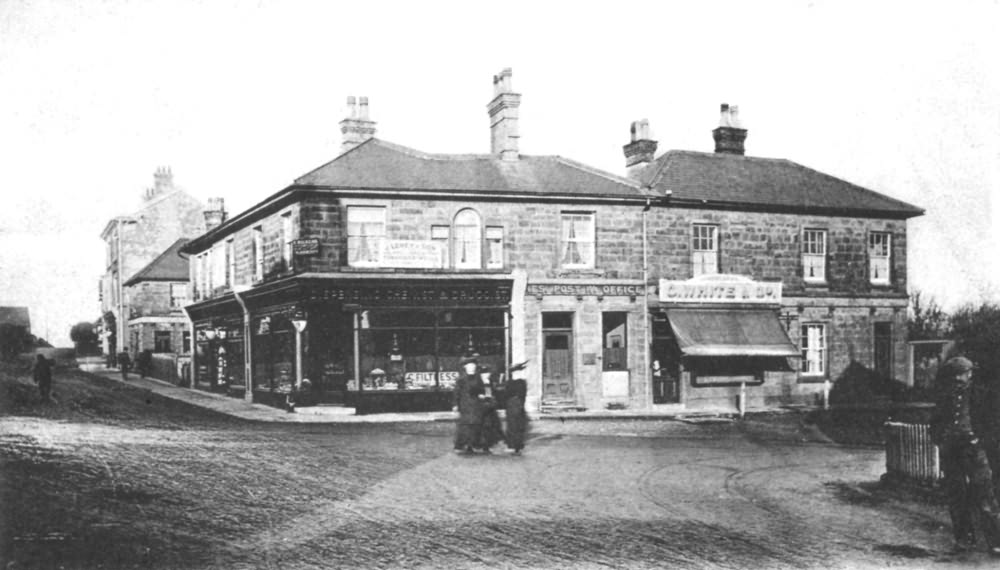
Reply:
x=239, y=98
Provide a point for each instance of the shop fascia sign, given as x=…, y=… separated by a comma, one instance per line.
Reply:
x=720, y=289
x=582, y=289
x=305, y=246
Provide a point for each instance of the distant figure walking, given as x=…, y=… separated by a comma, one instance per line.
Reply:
x=124, y=362
x=42, y=374
x=517, y=420
x=967, y=476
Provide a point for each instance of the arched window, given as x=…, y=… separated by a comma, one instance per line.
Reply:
x=467, y=244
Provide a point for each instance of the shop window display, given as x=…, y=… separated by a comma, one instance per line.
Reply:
x=422, y=349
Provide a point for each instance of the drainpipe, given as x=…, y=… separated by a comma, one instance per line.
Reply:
x=247, y=368
x=645, y=306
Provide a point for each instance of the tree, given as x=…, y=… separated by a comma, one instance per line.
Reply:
x=84, y=338
x=927, y=321
x=977, y=336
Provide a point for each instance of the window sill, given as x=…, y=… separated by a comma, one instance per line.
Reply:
x=812, y=378
x=576, y=271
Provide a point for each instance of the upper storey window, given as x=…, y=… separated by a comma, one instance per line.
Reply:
x=365, y=235
x=467, y=243
x=258, y=253
x=814, y=256
x=577, y=240
x=879, y=251
x=704, y=249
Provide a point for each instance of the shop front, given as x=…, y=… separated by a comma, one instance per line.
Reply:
x=405, y=337
x=717, y=341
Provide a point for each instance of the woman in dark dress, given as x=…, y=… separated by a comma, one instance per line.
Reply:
x=492, y=429
x=469, y=392
x=516, y=390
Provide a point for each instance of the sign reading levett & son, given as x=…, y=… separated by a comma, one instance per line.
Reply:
x=719, y=289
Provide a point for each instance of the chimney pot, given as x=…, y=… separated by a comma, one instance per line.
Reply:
x=641, y=150
x=503, y=111
x=215, y=213
x=729, y=135
x=357, y=127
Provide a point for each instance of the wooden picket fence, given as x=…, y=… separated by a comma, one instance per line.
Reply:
x=910, y=454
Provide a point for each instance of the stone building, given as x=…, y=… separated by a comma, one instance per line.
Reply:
x=372, y=275
x=156, y=297
x=166, y=214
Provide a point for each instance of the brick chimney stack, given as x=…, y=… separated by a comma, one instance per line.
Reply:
x=730, y=134
x=163, y=181
x=503, y=110
x=641, y=150
x=357, y=127
x=215, y=214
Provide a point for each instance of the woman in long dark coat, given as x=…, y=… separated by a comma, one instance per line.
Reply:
x=516, y=391
x=492, y=430
x=469, y=390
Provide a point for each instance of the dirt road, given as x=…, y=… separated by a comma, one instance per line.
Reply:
x=175, y=488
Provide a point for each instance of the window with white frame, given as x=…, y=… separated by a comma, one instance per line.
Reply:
x=577, y=240
x=814, y=255
x=467, y=241
x=439, y=235
x=704, y=249
x=218, y=257
x=879, y=251
x=258, y=253
x=178, y=295
x=813, y=344
x=365, y=235
x=287, y=235
x=494, y=247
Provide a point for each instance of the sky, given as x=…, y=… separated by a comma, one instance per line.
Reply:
x=239, y=98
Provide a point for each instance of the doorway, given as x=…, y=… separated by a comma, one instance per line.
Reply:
x=883, y=349
x=557, y=357
x=665, y=360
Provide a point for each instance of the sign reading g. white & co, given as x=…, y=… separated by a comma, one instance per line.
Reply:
x=720, y=289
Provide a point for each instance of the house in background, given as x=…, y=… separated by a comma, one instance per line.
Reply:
x=166, y=214
x=156, y=296
x=15, y=330
x=701, y=280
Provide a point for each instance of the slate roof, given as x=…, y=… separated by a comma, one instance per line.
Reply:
x=168, y=266
x=18, y=316
x=766, y=183
x=377, y=164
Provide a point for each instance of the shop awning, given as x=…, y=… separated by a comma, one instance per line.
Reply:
x=718, y=332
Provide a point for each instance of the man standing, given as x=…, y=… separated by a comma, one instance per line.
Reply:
x=967, y=477
x=42, y=374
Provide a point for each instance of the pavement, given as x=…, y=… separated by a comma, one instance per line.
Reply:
x=240, y=408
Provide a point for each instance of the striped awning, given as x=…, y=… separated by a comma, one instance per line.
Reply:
x=730, y=332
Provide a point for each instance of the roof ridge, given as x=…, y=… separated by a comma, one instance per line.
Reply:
x=595, y=171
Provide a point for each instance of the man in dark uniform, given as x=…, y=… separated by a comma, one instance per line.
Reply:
x=967, y=476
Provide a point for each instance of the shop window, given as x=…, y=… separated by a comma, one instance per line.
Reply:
x=161, y=341
x=878, y=257
x=365, y=235
x=468, y=245
x=704, y=250
x=494, y=247
x=577, y=240
x=257, y=245
x=813, y=344
x=615, y=339
x=814, y=255
x=439, y=235
x=178, y=295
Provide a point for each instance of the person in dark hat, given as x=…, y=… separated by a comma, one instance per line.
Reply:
x=491, y=432
x=468, y=391
x=967, y=476
x=515, y=392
